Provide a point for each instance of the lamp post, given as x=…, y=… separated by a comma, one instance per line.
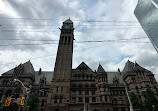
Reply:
x=28, y=91
x=129, y=99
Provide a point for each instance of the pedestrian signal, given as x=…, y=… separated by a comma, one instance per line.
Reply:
x=7, y=103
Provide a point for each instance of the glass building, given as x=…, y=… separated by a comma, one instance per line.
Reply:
x=146, y=12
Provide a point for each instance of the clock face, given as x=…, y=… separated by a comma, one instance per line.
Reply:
x=67, y=26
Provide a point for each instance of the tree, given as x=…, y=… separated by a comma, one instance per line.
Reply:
x=136, y=102
x=33, y=102
x=17, y=92
x=151, y=103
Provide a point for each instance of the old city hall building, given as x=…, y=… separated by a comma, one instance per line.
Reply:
x=79, y=89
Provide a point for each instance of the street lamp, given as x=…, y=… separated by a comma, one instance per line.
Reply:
x=129, y=99
x=28, y=91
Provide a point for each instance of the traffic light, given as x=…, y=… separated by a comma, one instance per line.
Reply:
x=7, y=103
x=22, y=101
x=19, y=101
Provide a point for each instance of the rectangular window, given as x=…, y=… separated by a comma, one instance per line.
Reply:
x=106, y=99
x=61, y=89
x=93, y=92
x=56, y=89
x=93, y=99
x=122, y=109
x=55, y=100
x=80, y=92
x=73, y=100
x=73, y=92
x=87, y=100
x=86, y=92
x=80, y=99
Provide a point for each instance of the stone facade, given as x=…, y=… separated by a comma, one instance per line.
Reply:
x=79, y=89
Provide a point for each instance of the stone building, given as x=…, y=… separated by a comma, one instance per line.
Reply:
x=79, y=89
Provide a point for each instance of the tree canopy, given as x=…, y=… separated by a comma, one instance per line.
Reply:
x=33, y=101
x=151, y=103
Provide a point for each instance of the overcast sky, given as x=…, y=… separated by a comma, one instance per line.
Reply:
x=34, y=23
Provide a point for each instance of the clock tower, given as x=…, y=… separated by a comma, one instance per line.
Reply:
x=59, y=93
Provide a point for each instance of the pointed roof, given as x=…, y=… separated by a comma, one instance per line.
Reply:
x=68, y=21
x=85, y=65
x=100, y=69
x=27, y=68
x=129, y=66
x=138, y=67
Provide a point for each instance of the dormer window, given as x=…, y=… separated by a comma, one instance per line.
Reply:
x=42, y=82
x=116, y=82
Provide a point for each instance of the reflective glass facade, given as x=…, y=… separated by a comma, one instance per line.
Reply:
x=147, y=14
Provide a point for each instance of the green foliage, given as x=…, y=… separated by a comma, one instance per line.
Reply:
x=17, y=92
x=136, y=102
x=33, y=101
x=151, y=103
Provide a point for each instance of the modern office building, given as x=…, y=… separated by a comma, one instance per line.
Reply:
x=146, y=12
x=81, y=88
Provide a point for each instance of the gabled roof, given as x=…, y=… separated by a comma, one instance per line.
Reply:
x=100, y=69
x=68, y=21
x=48, y=75
x=128, y=67
x=138, y=67
x=85, y=65
x=27, y=68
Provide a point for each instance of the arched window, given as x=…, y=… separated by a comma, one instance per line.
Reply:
x=61, y=99
x=61, y=89
x=65, y=42
x=69, y=40
x=87, y=77
x=79, y=77
x=42, y=104
x=83, y=77
x=55, y=99
x=56, y=89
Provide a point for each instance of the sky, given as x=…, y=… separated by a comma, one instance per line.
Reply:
x=30, y=31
